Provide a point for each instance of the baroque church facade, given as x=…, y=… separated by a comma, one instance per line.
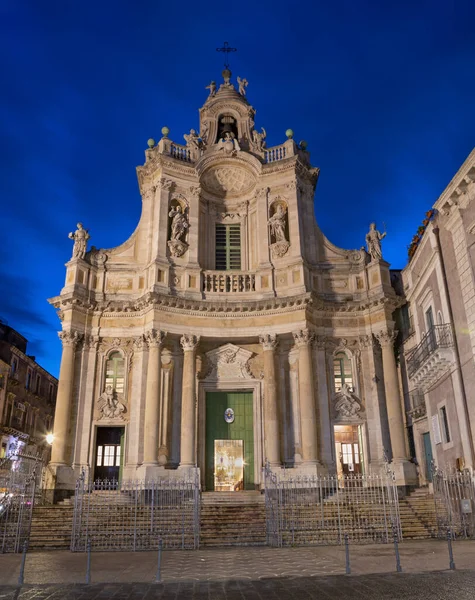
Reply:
x=227, y=332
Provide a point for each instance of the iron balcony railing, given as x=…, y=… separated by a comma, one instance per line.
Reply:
x=439, y=336
x=417, y=404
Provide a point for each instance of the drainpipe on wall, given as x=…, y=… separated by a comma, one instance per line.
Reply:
x=456, y=348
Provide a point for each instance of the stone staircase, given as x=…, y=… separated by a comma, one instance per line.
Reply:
x=239, y=519
x=417, y=514
x=233, y=519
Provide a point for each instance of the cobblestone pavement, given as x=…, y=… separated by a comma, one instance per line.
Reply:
x=245, y=563
x=446, y=585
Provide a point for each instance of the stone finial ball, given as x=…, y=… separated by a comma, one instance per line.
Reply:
x=303, y=145
x=226, y=74
x=289, y=133
x=165, y=131
x=151, y=143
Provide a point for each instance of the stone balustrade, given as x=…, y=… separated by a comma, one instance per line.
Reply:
x=276, y=153
x=228, y=282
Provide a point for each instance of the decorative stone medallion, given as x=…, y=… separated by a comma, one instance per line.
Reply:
x=228, y=181
x=229, y=415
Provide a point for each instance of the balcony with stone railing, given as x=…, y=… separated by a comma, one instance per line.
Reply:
x=228, y=282
x=432, y=357
x=417, y=405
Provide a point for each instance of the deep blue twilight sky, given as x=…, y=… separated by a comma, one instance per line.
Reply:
x=382, y=91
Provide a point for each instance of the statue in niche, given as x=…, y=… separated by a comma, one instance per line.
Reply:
x=109, y=404
x=178, y=227
x=258, y=140
x=347, y=404
x=373, y=242
x=212, y=89
x=80, y=237
x=192, y=140
x=277, y=224
x=243, y=83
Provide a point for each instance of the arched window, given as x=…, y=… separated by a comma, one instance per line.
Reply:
x=342, y=371
x=115, y=372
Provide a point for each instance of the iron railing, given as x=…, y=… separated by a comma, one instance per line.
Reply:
x=136, y=515
x=19, y=478
x=417, y=404
x=322, y=510
x=439, y=336
x=454, y=496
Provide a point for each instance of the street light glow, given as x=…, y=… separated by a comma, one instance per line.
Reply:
x=50, y=438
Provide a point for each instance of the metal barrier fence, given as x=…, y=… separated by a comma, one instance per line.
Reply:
x=19, y=478
x=136, y=515
x=454, y=496
x=322, y=510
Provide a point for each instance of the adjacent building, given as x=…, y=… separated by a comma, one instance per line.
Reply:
x=27, y=398
x=227, y=331
x=437, y=330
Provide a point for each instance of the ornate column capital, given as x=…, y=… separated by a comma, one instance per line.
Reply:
x=189, y=341
x=321, y=342
x=195, y=191
x=386, y=338
x=91, y=342
x=261, y=193
x=303, y=337
x=139, y=342
x=154, y=338
x=366, y=341
x=167, y=184
x=70, y=338
x=269, y=341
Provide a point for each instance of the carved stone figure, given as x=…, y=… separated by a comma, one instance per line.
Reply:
x=373, y=242
x=347, y=404
x=80, y=237
x=192, y=140
x=179, y=222
x=243, y=83
x=109, y=404
x=277, y=228
x=212, y=89
x=204, y=133
x=179, y=225
x=258, y=140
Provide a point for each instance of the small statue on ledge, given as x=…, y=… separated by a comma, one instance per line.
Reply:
x=258, y=140
x=373, y=242
x=212, y=89
x=277, y=224
x=192, y=140
x=243, y=83
x=80, y=237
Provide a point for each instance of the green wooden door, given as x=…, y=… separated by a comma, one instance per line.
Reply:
x=241, y=429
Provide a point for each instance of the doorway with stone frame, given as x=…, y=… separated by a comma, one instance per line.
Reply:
x=109, y=453
x=349, y=449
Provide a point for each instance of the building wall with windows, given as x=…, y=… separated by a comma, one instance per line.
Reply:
x=27, y=398
x=227, y=313
x=437, y=355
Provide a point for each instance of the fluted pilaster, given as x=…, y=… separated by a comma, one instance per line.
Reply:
x=154, y=339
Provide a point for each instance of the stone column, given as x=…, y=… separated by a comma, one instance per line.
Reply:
x=62, y=414
x=189, y=343
x=154, y=340
x=308, y=417
x=271, y=411
x=393, y=399
x=167, y=387
x=369, y=382
x=325, y=425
